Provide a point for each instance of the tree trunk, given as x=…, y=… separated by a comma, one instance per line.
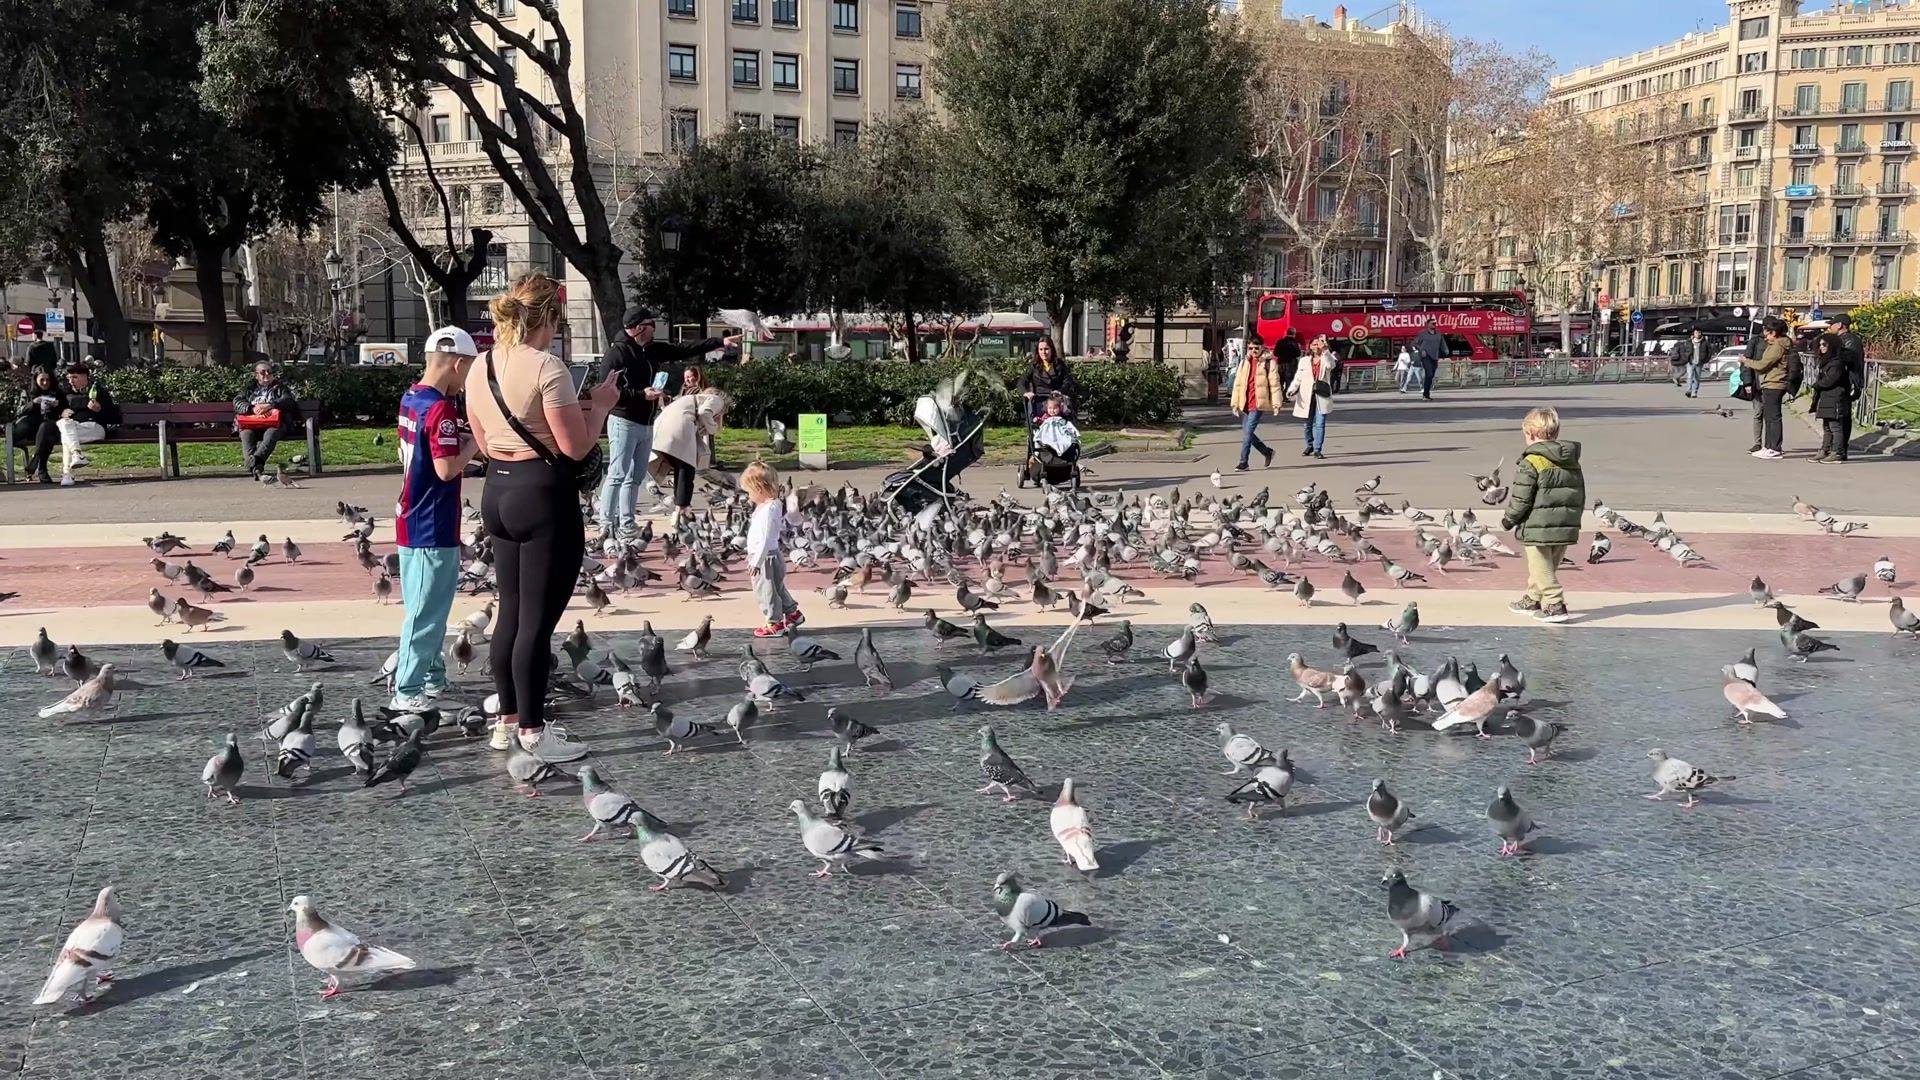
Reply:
x=609, y=302
x=1159, y=331
x=913, y=338
x=93, y=273
x=208, y=274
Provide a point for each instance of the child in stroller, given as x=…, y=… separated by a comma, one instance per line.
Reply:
x=1053, y=445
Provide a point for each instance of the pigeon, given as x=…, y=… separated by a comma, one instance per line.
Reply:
x=610, y=809
x=1536, y=735
x=741, y=717
x=195, y=617
x=1120, y=644
x=1746, y=669
x=461, y=650
x=653, y=660
x=764, y=687
x=1028, y=913
x=1244, y=752
x=1068, y=820
x=836, y=785
x=242, y=579
x=1201, y=624
x=528, y=772
x=44, y=654
x=93, y=943
x=1180, y=649
x=1789, y=621
x=186, y=658
x=1215, y=479
x=1310, y=680
x=296, y=749
x=666, y=855
x=1904, y=621
x=356, y=741
x=1801, y=645
x=475, y=625
x=1369, y=487
x=1303, y=591
x=1883, y=569
x=848, y=730
x=1673, y=775
x=1473, y=709
x=872, y=668
x=971, y=603
x=1511, y=681
x=1510, y=822
x=1001, y=771
x=75, y=666
x=1746, y=699
x=94, y=695
x=1757, y=590
x=942, y=630
x=675, y=729
x=301, y=653
x=1349, y=646
x=988, y=638
x=1194, y=678
x=382, y=589
x=1404, y=623
x=399, y=763
x=1848, y=589
x=1598, y=550
x=1414, y=912
x=224, y=545
x=808, y=651
x=836, y=594
x=697, y=639
x=1270, y=784
x=901, y=593
x=834, y=845
x=337, y=951
x=222, y=773
x=1350, y=587
x=1387, y=811
x=290, y=550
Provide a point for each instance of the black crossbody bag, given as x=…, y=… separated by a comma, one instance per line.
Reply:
x=585, y=472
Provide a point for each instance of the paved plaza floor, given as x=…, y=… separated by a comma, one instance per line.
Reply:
x=1772, y=930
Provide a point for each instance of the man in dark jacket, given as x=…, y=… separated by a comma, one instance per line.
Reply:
x=1544, y=511
x=640, y=366
x=1679, y=356
x=265, y=396
x=1429, y=348
x=1286, y=353
x=1854, y=352
x=88, y=412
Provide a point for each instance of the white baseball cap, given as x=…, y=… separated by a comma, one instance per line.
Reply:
x=452, y=339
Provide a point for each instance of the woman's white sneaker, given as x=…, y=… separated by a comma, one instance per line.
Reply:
x=551, y=745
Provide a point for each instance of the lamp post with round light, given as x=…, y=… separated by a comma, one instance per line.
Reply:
x=335, y=266
x=670, y=235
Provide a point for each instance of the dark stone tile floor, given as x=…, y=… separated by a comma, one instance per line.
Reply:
x=1772, y=931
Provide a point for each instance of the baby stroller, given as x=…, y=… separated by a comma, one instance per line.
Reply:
x=1053, y=450
x=956, y=438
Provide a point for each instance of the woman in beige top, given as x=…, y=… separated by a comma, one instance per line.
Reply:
x=531, y=504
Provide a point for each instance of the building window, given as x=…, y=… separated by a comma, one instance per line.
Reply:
x=746, y=11
x=1673, y=279
x=469, y=127
x=906, y=20
x=1747, y=137
x=1900, y=54
x=787, y=127
x=1751, y=29
x=1749, y=102
x=510, y=59
x=746, y=121
x=746, y=67
x=683, y=129
x=1853, y=97
x=441, y=128
x=1846, y=177
x=846, y=16
x=503, y=8
x=1895, y=131
x=1844, y=218
x=1889, y=223
x=1809, y=58
x=786, y=71
x=906, y=80
x=1850, y=137
x=681, y=8
x=846, y=76
x=1795, y=278
x=683, y=62
x=1796, y=225
x=1840, y=272
x=1853, y=56
x=1753, y=61
x=786, y=12
x=1801, y=173
x=1803, y=135
x=1743, y=176
x=846, y=132
x=1899, y=95
x=1806, y=99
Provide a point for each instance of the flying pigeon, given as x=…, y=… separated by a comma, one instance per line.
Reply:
x=1028, y=913
x=337, y=951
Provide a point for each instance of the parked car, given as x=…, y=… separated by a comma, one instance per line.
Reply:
x=1723, y=362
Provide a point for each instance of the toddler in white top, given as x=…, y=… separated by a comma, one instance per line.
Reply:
x=765, y=565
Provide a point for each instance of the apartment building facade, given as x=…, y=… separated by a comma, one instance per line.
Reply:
x=651, y=77
x=1782, y=144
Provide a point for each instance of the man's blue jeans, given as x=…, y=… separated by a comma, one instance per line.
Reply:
x=1249, y=424
x=428, y=577
x=628, y=447
x=1693, y=379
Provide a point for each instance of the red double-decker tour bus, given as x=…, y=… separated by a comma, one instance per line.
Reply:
x=1372, y=326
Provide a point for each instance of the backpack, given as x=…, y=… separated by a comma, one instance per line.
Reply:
x=1796, y=372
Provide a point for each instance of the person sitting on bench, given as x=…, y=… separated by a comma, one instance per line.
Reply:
x=262, y=410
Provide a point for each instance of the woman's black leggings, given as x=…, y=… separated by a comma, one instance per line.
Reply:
x=682, y=481
x=532, y=512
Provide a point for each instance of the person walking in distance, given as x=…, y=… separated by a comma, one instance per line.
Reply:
x=1854, y=352
x=1696, y=347
x=1286, y=356
x=1313, y=395
x=1256, y=390
x=1831, y=402
x=1769, y=372
x=640, y=366
x=1543, y=510
x=534, y=431
x=1428, y=349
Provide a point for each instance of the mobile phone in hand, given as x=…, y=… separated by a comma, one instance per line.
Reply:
x=660, y=380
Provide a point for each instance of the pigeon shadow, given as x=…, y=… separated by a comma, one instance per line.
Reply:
x=896, y=866
x=1727, y=798
x=1115, y=859
x=1315, y=809
x=1584, y=753
x=1478, y=940
x=150, y=983
x=137, y=718
x=419, y=979
x=1430, y=835
x=876, y=821
x=739, y=880
x=1078, y=937
x=1544, y=704
x=1559, y=845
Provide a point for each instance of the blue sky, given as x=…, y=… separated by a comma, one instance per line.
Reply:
x=1574, y=32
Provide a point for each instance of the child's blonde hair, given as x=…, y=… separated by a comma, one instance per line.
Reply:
x=1542, y=423
x=760, y=481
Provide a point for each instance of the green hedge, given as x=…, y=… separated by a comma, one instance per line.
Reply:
x=883, y=393
x=346, y=395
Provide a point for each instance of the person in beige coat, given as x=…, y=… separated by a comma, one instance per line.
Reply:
x=1313, y=394
x=682, y=442
x=1256, y=390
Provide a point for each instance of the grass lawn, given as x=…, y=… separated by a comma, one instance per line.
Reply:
x=348, y=447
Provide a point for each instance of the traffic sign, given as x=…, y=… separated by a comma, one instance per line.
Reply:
x=1816, y=315
x=1606, y=314
x=24, y=327
x=56, y=323
x=1386, y=303
x=1638, y=318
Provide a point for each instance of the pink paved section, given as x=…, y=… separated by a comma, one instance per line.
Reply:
x=1791, y=564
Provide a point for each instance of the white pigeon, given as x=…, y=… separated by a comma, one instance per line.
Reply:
x=1069, y=823
x=830, y=843
x=1214, y=479
x=338, y=951
x=94, y=695
x=93, y=942
x=747, y=322
x=478, y=622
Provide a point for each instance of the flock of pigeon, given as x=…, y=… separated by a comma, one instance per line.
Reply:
x=1063, y=551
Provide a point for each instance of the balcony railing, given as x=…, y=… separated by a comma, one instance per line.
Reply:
x=1798, y=239
x=1855, y=238
x=1735, y=239
x=1690, y=161
x=1738, y=193
x=1892, y=189
x=1746, y=153
x=1845, y=108
x=1847, y=190
x=1850, y=147
x=1747, y=116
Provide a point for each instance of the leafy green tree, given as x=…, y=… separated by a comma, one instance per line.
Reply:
x=1072, y=128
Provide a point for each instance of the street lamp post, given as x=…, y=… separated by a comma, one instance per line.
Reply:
x=1393, y=159
x=670, y=233
x=51, y=275
x=335, y=266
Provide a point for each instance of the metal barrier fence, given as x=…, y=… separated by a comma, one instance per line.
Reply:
x=1892, y=395
x=1527, y=371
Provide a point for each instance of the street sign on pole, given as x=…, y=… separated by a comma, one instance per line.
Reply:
x=24, y=328
x=1606, y=301
x=1638, y=318
x=1606, y=314
x=56, y=323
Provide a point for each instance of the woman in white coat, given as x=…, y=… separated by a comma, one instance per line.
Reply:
x=1312, y=393
x=682, y=443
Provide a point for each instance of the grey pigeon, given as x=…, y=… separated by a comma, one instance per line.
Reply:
x=356, y=741
x=1848, y=589
x=808, y=651
x=528, y=772
x=1801, y=645
x=1270, y=783
x=653, y=661
x=1510, y=822
x=186, y=659
x=1180, y=649
x=1404, y=623
x=741, y=717
x=1194, y=678
x=675, y=729
x=1414, y=912
x=222, y=774
x=44, y=653
x=1883, y=569
x=1351, y=588
x=296, y=749
x=836, y=785
x=847, y=729
x=1120, y=644
x=666, y=855
x=1001, y=771
x=1244, y=752
x=942, y=630
x=873, y=669
x=1673, y=775
x=1349, y=646
x=1028, y=913
x=1536, y=735
x=834, y=845
x=1748, y=670
x=610, y=809
x=1387, y=811
x=75, y=666
x=1201, y=623
x=987, y=637
x=1904, y=621
x=399, y=763
x=301, y=653
x=1598, y=550
x=1758, y=592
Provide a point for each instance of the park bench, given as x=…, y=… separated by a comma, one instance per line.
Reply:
x=169, y=424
